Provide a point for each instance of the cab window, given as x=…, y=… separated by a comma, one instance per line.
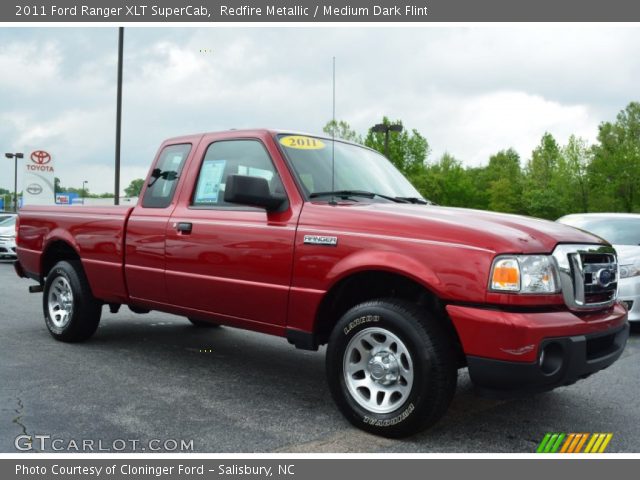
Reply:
x=232, y=157
x=164, y=177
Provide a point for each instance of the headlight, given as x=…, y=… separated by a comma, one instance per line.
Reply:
x=627, y=271
x=524, y=274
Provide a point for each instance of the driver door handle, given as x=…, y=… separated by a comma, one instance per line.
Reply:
x=184, y=227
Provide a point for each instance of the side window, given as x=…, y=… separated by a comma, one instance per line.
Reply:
x=166, y=173
x=232, y=157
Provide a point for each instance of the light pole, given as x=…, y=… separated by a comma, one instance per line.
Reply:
x=15, y=156
x=116, y=199
x=84, y=191
x=385, y=128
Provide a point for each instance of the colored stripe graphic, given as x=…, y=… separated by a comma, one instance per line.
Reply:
x=551, y=443
x=556, y=445
x=592, y=440
x=574, y=442
x=570, y=439
x=605, y=443
x=581, y=443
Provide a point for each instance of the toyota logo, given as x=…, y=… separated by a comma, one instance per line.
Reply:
x=40, y=157
x=605, y=277
x=34, y=189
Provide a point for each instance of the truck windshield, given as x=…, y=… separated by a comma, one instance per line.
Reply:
x=360, y=173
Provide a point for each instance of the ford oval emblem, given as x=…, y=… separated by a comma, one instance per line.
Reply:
x=605, y=277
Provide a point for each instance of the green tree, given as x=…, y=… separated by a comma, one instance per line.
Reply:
x=542, y=186
x=554, y=181
x=479, y=178
x=574, y=168
x=6, y=196
x=342, y=130
x=408, y=150
x=504, y=180
x=134, y=188
x=446, y=182
x=615, y=169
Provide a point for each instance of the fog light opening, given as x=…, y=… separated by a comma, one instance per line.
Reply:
x=551, y=358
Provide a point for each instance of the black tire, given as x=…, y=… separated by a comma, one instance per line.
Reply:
x=433, y=367
x=86, y=310
x=202, y=323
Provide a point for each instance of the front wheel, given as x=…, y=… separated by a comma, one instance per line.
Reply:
x=391, y=368
x=71, y=313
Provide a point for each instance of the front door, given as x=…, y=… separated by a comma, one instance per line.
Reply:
x=226, y=261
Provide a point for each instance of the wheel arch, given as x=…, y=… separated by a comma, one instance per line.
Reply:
x=56, y=250
x=365, y=283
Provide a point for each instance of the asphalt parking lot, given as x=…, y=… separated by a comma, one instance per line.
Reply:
x=155, y=377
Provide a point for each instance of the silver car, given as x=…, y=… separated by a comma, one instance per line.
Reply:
x=622, y=230
x=8, y=236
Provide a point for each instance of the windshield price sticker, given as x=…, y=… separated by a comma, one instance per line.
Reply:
x=302, y=143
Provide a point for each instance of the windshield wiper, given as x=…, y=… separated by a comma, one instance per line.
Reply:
x=416, y=200
x=345, y=194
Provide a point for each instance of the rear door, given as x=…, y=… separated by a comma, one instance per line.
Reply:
x=228, y=261
x=145, y=242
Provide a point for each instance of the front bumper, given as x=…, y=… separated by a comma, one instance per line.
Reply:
x=7, y=247
x=575, y=358
x=503, y=348
x=629, y=294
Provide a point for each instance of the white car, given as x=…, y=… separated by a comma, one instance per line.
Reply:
x=8, y=237
x=622, y=230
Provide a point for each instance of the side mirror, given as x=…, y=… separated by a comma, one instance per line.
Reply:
x=253, y=191
x=156, y=174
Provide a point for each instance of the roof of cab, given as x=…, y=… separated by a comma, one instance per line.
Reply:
x=257, y=132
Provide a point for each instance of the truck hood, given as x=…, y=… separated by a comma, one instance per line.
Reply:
x=498, y=232
x=7, y=231
x=628, y=254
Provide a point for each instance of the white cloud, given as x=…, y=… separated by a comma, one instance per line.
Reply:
x=26, y=66
x=470, y=91
x=481, y=125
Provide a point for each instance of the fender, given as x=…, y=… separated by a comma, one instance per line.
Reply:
x=304, y=303
x=59, y=234
x=384, y=260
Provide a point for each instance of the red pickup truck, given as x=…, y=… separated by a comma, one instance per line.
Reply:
x=325, y=242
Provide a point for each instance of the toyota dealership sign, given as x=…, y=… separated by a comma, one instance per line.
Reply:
x=38, y=187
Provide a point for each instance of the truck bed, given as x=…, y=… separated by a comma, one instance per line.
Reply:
x=95, y=233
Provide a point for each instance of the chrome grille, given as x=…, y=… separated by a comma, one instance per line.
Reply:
x=588, y=275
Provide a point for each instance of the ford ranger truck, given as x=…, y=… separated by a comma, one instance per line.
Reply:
x=322, y=241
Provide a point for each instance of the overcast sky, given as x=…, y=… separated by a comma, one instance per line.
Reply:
x=469, y=91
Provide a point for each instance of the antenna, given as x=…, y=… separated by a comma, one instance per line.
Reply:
x=333, y=139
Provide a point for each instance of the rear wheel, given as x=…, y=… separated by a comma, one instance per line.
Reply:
x=71, y=312
x=202, y=323
x=391, y=368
